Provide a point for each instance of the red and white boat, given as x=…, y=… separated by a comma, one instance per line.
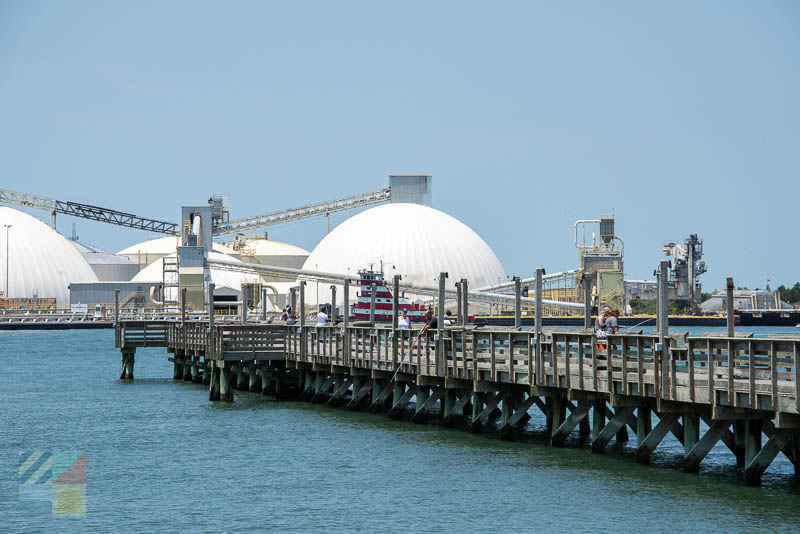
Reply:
x=383, y=299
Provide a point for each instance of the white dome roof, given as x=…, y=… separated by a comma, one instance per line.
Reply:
x=160, y=247
x=415, y=241
x=268, y=247
x=41, y=260
x=225, y=282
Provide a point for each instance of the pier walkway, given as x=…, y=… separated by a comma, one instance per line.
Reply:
x=746, y=390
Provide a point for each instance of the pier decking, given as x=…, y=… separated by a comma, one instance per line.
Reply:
x=743, y=388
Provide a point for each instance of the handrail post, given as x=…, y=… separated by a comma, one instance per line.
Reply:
x=729, y=304
x=441, y=357
x=663, y=320
x=210, y=349
x=465, y=299
x=303, y=340
x=374, y=289
x=538, y=328
x=244, y=306
x=459, y=315
x=587, y=301
x=395, y=310
x=517, y=303
x=346, y=320
x=183, y=317
x=116, y=318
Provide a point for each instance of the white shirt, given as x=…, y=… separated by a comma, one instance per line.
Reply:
x=403, y=322
x=322, y=319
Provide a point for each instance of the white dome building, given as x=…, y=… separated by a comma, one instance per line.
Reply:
x=226, y=283
x=267, y=252
x=146, y=252
x=412, y=240
x=41, y=261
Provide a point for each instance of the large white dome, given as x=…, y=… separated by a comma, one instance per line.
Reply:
x=225, y=282
x=146, y=252
x=40, y=260
x=415, y=241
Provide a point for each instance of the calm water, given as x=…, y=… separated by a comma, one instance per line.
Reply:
x=162, y=458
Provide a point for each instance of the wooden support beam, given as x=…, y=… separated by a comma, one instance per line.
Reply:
x=213, y=386
x=520, y=412
x=421, y=414
x=323, y=388
x=384, y=392
x=490, y=406
x=644, y=423
x=598, y=417
x=128, y=358
x=691, y=432
x=360, y=395
x=397, y=408
x=645, y=450
x=704, y=445
x=611, y=428
x=577, y=415
x=761, y=459
x=342, y=387
x=254, y=385
x=475, y=423
x=456, y=407
x=788, y=421
x=752, y=440
x=728, y=437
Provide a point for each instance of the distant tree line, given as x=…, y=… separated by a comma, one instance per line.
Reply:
x=790, y=295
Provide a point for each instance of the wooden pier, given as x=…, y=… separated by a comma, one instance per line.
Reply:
x=746, y=390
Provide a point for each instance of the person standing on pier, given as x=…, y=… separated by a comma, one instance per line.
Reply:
x=403, y=321
x=430, y=322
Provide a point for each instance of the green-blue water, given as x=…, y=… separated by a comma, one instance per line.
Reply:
x=161, y=458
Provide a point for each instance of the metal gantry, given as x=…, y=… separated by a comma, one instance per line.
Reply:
x=303, y=212
x=87, y=211
x=120, y=218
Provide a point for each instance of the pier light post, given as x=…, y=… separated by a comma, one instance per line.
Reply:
x=7, y=226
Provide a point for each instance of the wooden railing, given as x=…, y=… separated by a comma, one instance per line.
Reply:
x=754, y=373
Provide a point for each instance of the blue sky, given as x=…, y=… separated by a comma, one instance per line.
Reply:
x=681, y=117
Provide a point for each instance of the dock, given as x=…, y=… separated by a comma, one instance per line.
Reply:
x=746, y=390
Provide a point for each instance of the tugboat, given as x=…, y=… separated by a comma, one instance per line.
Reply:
x=383, y=299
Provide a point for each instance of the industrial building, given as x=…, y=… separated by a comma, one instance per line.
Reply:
x=745, y=299
x=108, y=267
